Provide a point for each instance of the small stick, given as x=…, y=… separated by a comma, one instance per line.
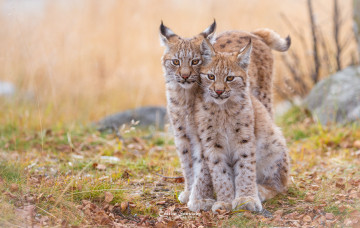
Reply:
x=179, y=177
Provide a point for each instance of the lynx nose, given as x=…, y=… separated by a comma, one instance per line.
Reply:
x=185, y=76
x=219, y=92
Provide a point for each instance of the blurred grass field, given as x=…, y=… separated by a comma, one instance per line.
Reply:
x=76, y=61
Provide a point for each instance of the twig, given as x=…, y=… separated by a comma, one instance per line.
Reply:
x=99, y=190
x=326, y=52
x=47, y=212
x=297, y=76
x=316, y=73
x=356, y=26
x=337, y=25
x=179, y=177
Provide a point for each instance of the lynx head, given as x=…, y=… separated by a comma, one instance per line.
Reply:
x=224, y=75
x=182, y=58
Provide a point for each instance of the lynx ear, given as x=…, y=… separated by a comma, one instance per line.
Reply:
x=209, y=32
x=165, y=34
x=207, y=51
x=244, y=56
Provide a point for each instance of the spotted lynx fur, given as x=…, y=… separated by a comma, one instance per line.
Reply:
x=260, y=70
x=242, y=148
x=182, y=86
x=181, y=64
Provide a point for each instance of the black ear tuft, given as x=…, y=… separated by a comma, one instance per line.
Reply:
x=209, y=32
x=162, y=28
x=165, y=34
x=288, y=41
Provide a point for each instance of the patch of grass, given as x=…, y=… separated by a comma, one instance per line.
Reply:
x=299, y=134
x=294, y=115
x=335, y=210
x=95, y=192
x=11, y=172
x=8, y=217
x=293, y=191
x=239, y=220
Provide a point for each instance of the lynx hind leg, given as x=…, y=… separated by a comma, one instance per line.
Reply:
x=273, y=166
x=202, y=193
x=266, y=193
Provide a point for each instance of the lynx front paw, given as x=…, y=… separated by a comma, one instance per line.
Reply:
x=184, y=196
x=221, y=205
x=197, y=205
x=247, y=202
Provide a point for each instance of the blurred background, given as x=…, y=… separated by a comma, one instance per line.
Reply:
x=77, y=61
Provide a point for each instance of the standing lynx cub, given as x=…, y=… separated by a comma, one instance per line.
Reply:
x=244, y=151
x=181, y=63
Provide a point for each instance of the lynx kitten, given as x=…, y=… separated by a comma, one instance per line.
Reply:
x=242, y=148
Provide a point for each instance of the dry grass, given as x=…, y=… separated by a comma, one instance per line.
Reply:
x=56, y=177
x=91, y=58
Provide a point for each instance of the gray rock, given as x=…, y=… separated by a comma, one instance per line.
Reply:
x=6, y=89
x=336, y=99
x=147, y=116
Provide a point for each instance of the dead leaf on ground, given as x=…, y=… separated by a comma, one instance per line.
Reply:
x=357, y=144
x=14, y=187
x=99, y=166
x=310, y=198
x=10, y=195
x=329, y=216
x=108, y=197
x=179, y=180
x=307, y=218
x=161, y=203
x=124, y=206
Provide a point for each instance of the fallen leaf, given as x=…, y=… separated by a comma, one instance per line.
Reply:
x=108, y=197
x=340, y=183
x=329, y=216
x=315, y=187
x=14, y=187
x=307, y=218
x=161, y=203
x=310, y=198
x=357, y=144
x=342, y=208
x=99, y=166
x=179, y=180
x=124, y=206
x=10, y=195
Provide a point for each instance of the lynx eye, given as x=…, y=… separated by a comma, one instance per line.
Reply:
x=195, y=62
x=176, y=62
x=230, y=78
x=211, y=76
